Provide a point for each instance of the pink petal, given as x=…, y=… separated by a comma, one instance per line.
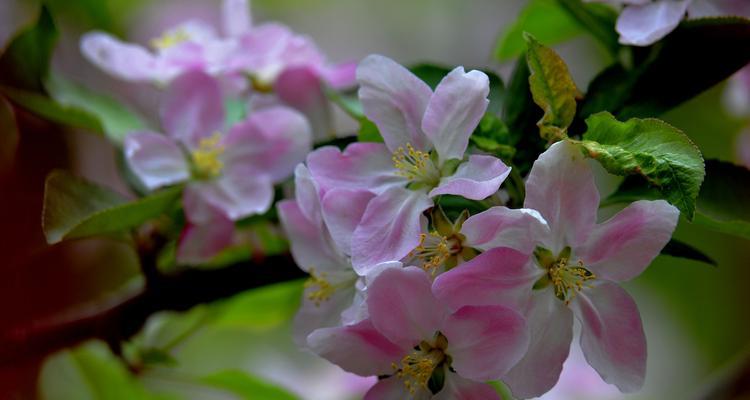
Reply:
x=272, y=141
x=402, y=307
x=155, y=159
x=612, y=335
x=365, y=166
x=551, y=327
x=312, y=316
x=199, y=243
x=622, y=247
x=394, y=389
x=192, y=108
x=643, y=25
x=561, y=187
x=358, y=348
x=123, y=60
x=238, y=194
x=520, y=229
x=311, y=246
x=259, y=51
x=236, y=17
x=499, y=276
x=342, y=211
x=341, y=76
x=476, y=179
x=458, y=388
x=307, y=194
x=455, y=109
x=389, y=229
x=395, y=100
x=300, y=87
x=485, y=341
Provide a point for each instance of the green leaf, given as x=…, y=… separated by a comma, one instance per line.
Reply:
x=50, y=110
x=115, y=119
x=8, y=135
x=724, y=200
x=368, y=132
x=670, y=74
x=676, y=248
x=246, y=386
x=545, y=19
x=651, y=148
x=493, y=136
x=89, y=372
x=25, y=62
x=552, y=89
x=598, y=19
x=261, y=309
x=732, y=227
x=350, y=104
x=75, y=208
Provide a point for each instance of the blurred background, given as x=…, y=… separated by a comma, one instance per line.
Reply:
x=695, y=315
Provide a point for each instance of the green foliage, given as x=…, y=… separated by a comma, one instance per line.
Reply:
x=75, y=208
x=8, y=135
x=261, y=309
x=114, y=119
x=724, y=200
x=676, y=248
x=552, y=89
x=25, y=62
x=652, y=149
x=670, y=73
x=246, y=386
x=50, y=110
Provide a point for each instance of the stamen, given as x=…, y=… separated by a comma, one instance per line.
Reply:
x=415, y=165
x=417, y=367
x=569, y=280
x=207, y=157
x=433, y=250
x=169, y=39
x=325, y=289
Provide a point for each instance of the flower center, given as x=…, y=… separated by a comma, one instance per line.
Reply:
x=169, y=39
x=419, y=367
x=206, y=158
x=567, y=279
x=322, y=287
x=434, y=250
x=416, y=166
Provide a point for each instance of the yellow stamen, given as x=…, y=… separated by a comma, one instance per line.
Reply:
x=169, y=39
x=569, y=280
x=415, y=165
x=417, y=367
x=324, y=288
x=433, y=250
x=207, y=157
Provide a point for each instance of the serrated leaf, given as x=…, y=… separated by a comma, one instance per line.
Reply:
x=651, y=148
x=115, y=119
x=676, y=248
x=552, y=89
x=75, y=208
x=25, y=62
x=246, y=386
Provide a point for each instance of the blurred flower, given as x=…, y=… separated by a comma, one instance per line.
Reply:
x=405, y=173
x=230, y=176
x=743, y=148
x=421, y=346
x=577, y=265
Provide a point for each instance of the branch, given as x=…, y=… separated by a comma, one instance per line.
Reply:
x=126, y=316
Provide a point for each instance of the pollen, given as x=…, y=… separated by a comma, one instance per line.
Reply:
x=322, y=287
x=417, y=367
x=433, y=250
x=170, y=39
x=207, y=158
x=415, y=165
x=569, y=280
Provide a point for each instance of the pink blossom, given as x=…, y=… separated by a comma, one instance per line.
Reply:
x=228, y=174
x=575, y=267
x=423, y=347
x=426, y=135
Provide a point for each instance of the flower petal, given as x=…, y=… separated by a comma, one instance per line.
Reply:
x=342, y=211
x=360, y=166
x=155, y=159
x=612, y=335
x=622, y=247
x=389, y=229
x=341, y=76
x=311, y=246
x=199, y=243
x=458, y=388
x=238, y=194
x=358, y=348
x=643, y=25
x=307, y=194
x=551, y=328
x=326, y=314
x=192, y=108
x=499, y=276
x=520, y=229
x=561, y=187
x=402, y=307
x=236, y=17
x=476, y=179
x=455, y=109
x=300, y=87
x=485, y=341
x=122, y=60
x=272, y=141
x=394, y=389
x=395, y=100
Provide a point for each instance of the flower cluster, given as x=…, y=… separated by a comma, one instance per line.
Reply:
x=437, y=307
